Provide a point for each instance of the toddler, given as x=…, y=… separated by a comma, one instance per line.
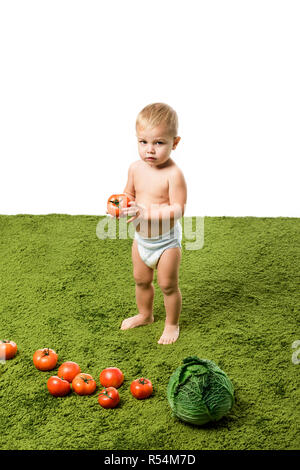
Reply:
x=157, y=189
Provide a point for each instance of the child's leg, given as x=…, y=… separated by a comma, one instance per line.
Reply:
x=167, y=278
x=144, y=291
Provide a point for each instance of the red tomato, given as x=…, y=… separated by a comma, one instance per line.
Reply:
x=115, y=201
x=109, y=397
x=68, y=370
x=58, y=387
x=8, y=349
x=141, y=388
x=111, y=377
x=45, y=359
x=84, y=384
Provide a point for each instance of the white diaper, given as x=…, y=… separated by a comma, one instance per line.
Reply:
x=151, y=249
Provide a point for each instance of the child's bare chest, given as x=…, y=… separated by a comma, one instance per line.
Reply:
x=151, y=186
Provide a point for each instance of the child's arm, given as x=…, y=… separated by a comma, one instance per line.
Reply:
x=177, y=198
x=129, y=188
x=178, y=193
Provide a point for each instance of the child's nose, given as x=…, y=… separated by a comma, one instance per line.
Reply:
x=150, y=149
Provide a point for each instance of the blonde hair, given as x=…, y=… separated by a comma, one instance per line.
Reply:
x=158, y=113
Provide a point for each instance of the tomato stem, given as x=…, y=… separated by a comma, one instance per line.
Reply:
x=105, y=393
x=85, y=379
x=143, y=381
x=115, y=202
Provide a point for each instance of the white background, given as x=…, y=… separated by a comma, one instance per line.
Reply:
x=74, y=75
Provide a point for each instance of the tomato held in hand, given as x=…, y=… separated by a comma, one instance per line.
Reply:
x=109, y=397
x=58, y=387
x=111, y=377
x=8, y=349
x=83, y=384
x=115, y=202
x=45, y=359
x=141, y=388
x=68, y=370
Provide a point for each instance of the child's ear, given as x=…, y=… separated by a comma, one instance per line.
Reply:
x=176, y=141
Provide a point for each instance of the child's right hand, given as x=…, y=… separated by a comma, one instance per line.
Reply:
x=134, y=211
x=114, y=216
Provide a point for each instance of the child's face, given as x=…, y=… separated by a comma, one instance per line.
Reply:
x=155, y=145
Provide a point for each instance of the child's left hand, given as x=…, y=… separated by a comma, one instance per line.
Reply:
x=136, y=210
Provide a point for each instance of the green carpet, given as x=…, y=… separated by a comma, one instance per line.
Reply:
x=64, y=288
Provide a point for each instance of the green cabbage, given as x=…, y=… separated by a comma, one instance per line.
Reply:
x=199, y=391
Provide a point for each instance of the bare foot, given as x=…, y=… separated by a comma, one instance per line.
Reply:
x=137, y=320
x=170, y=334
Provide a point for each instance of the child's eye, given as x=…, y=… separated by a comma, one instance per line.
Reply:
x=144, y=142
